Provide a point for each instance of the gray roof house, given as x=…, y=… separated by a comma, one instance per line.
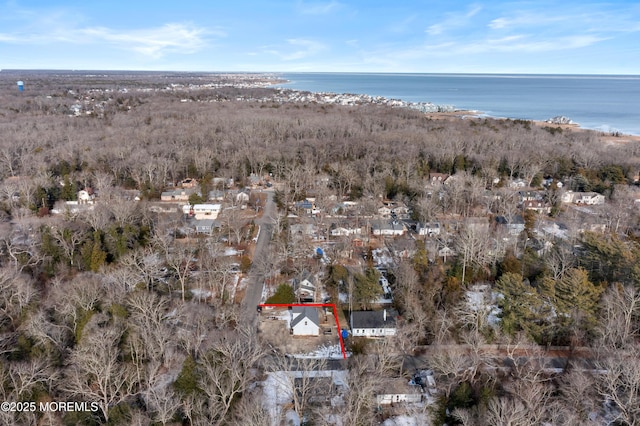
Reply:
x=305, y=321
x=206, y=226
x=387, y=227
x=373, y=323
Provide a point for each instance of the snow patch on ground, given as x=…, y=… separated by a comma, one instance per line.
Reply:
x=278, y=314
x=403, y=421
x=292, y=418
x=481, y=298
x=201, y=294
x=230, y=251
x=384, y=301
x=325, y=352
x=382, y=257
x=235, y=286
x=278, y=391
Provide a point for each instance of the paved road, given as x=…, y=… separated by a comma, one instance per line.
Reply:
x=253, y=294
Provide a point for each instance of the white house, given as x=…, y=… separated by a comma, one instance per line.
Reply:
x=537, y=206
x=518, y=183
x=428, y=229
x=304, y=287
x=373, y=323
x=305, y=321
x=399, y=390
x=514, y=225
x=384, y=211
x=344, y=231
x=202, y=211
x=242, y=197
x=387, y=228
x=588, y=198
x=85, y=197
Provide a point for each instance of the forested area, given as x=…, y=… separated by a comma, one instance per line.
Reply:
x=96, y=307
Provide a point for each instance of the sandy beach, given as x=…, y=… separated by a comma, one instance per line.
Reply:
x=604, y=137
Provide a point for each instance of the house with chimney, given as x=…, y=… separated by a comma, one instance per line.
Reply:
x=305, y=321
x=374, y=323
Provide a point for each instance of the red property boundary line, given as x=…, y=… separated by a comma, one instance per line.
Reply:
x=313, y=305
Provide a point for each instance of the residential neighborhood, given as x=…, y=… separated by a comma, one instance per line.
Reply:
x=198, y=252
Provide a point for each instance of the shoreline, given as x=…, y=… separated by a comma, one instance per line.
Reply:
x=608, y=138
x=600, y=127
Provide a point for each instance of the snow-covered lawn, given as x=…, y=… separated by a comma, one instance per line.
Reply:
x=235, y=285
x=277, y=392
x=230, y=251
x=404, y=421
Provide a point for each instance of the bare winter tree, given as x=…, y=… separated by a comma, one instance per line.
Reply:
x=149, y=319
x=195, y=334
x=301, y=377
x=95, y=372
x=146, y=264
x=560, y=259
x=360, y=400
x=24, y=376
x=68, y=238
x=472, y=244
x=179, y=257
x=235, y=222
x=619, y=385
x=161, y=400
x=227, y=370
x=16, y=292
x=620, y=324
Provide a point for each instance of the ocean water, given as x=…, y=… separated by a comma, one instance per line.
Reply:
x=601, y=102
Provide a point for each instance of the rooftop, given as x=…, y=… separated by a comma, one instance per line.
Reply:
x=373, y=319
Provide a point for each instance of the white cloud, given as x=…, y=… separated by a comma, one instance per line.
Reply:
x=453, y=21
x=60, y=25
x=302, y=48
x=535, y=19
x=318, y=8
x=153, y=42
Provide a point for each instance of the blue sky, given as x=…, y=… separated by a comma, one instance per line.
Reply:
x=568, y=37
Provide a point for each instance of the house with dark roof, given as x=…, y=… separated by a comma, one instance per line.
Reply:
x=305, y=321
x=513, y=225
x=206, y=226
x=373, y=323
